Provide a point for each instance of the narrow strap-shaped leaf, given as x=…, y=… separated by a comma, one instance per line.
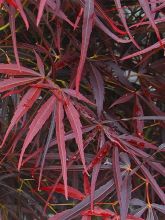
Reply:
x=7, y=84
x=122, y=17
x=146, y=50
x=108, y=19
x=117, y=173
x=98, y=88
x=126, y=189
x=138, y=112
x=93, y=182
x=12, y=2
x=60, y=135
x=46, y=147
x=40, y=10
x=25, y=104
x=72, y=93
x=123, y=99
x=100, y=194
x=76, y=125
x=100, y=25
x=23, y=15
x=60, y=188
x=42, y=115
x=160, y=208
x=88, y=20
x=12, y=70
x=145, y=6
x=40, y=64
x=13, y=33
x=151, y=180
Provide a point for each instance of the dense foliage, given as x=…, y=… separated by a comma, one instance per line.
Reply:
x=82, y=122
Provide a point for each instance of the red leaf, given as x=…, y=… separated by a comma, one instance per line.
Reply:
x=98, y=212
x=138, y=112
x=40, y=10
x=12, y=2
x=146, y=50
x=95, y=173
x=42, y=115
x=151, y=180
x=7, y=84
x=145, y=6
x=99, y=156
x=117, y=173
x=109, y=33
x=60, y=135
x=126, y=190
x=75, y=123
x=25, y=104
x=13, y=33
x=12, y=70
x=87, y=188
x=40, y=64
x=109, y=20
x=122, y=17
x=88, y=20
x=72, y=193
x=72, y=92
x=122, y=99
x=98, y=88
x=21, y=11
x=139, y=142
x=78, y=18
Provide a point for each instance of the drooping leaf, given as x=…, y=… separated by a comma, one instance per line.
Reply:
x=60, y=188
x=151, y=180
x=46, y=147
x=138, y=112
x=40, y=64
x=21, y=11
x=40, y=10
x=88, y=19
x=13, y=33
x=122, y=17
x=25, y=104
x=13, y=70
x=122, y=99
x=160, y=208
x=7, y=84
x=60, y=135
x=107, y=31
x=72, y=92
x=42, y=115
x=117, y=175
x=76, y=125
x=146, y=7
x=147, y=49
x=126, y=189
x=98, y=88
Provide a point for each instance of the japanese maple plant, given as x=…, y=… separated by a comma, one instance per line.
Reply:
x=82, y=101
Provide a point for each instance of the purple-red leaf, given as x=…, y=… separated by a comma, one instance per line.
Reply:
x=42, y=115
x=13, y=70
x=40, y=10
x=7, y=84
x=60, y=135
x=125, y=98
x=98, y=88
x=76, y=125
x=25, y=104
x=60, y=188
x=138, y=112
x=88, y=20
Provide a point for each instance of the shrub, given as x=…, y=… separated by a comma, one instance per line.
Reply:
x=82, y=109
